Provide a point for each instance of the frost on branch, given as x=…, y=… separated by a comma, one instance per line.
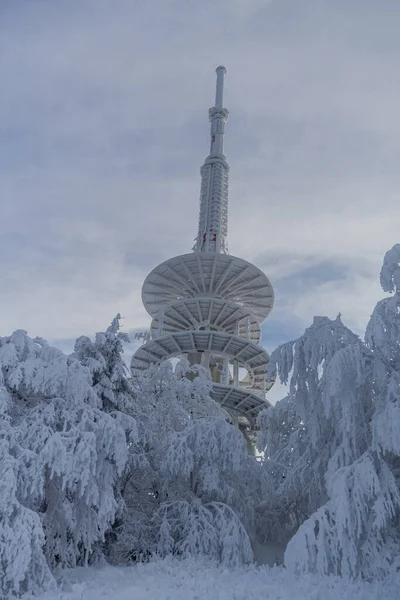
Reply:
x=383, y=332
x=206, y=455
x=192, y=528
x=357, y=530
x=354, y=425
x=186, y=463
x=299, y=434
x=390, y=272
x=386, y=424
x=383, y=338
x=303, y=361
x=23, y=565
x=280, y=437
x=208, y=460
x=70, y=452
x=194, y=387
x=110, y=375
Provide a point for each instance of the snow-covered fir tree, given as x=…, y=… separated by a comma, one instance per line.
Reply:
x=297, y=434
x=61, y=455
x=23, y=564
x=110, y=375
x=347, y=465
x=183, y=492
x=383, y=338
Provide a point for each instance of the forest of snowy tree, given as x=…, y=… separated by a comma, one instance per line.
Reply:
x=96, y=465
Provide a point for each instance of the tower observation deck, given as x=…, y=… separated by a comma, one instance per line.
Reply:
x=208, y=304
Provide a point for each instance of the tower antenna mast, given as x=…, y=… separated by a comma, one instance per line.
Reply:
x=213, y=218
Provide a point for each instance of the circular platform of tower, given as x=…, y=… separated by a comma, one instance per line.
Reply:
x=208, y=274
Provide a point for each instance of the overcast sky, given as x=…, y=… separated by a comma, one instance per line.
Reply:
x=104, y=125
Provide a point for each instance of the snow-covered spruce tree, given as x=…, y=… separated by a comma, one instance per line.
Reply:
x=69, y=453
x=110, y=375
x=157, y=412
x=383, y=338
x=346, y=534
x=117, y=397
x=356, y=532
x=23, y=564
x=208, y=460
x=282, y=439
x=183, y=492
x=298, y=435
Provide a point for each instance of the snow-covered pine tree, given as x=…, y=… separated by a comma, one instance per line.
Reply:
x=208, y=460
x=383, y=338
x=69, y=453
x=184, y=494
x=297, y=435
x=23, y=564
x=356, y=532
x=192, y=528
x=282, y=439
x=117, y=396
x=110, y=375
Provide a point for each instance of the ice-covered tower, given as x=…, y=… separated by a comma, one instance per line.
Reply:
x=208, y=304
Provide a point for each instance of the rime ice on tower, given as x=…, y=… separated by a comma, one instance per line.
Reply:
x=208, y=305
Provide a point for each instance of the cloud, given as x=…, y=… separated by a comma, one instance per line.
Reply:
x=104, y=126
x=247, y=8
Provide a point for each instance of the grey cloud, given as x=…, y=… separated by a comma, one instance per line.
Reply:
x=322, y=272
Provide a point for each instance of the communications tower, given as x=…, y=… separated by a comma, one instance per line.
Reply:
x=208, y=304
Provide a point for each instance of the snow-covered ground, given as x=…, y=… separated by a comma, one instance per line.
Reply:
x=196, y=580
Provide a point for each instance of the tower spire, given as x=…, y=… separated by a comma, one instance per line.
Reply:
x=213, y=218
x=219, y=92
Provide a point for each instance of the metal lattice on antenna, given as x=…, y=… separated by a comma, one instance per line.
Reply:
x=208, y=304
